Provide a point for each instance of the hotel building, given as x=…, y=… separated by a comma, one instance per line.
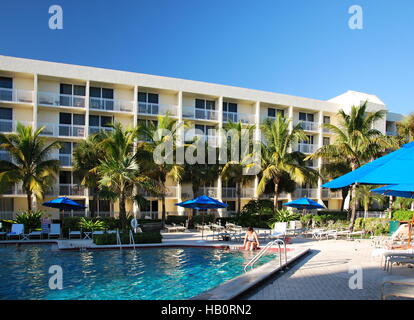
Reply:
x=72, y=102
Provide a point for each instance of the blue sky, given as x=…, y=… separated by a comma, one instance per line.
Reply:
x=298, y=47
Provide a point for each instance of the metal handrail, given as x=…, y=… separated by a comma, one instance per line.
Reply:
x=131, y=238
x=279, y=242
x=118, y=239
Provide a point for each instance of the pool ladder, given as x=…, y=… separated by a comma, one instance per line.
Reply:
x=131, y=239
x=256, y=258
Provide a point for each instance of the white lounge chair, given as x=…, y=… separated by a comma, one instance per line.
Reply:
x=170, y=228
x=397, y=286
x=279, y=230
x=17, y=230
x=54, y=230
x=179, y=228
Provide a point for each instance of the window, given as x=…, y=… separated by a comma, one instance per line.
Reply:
x=148, y=103
x=271, y=112
x=231, y=206
x=230, y=107
x=326, y=141
x=6, y=83
x=67, y=119
x=205, y=129
x=66, y=148
x=205, y=104
x=327, y=119
x=306, y=116
x=106, y=96
x=309, y=163
x=65, y=177
x=309, y=140
x=67, y=91
x=6, y=113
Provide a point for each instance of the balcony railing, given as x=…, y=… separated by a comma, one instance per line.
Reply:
x=306, y=148
x=329, y=194
x=110, y=104
x=306, y=192
x=16, y=95
x=66, y=189
x=237, y=117
x=229, y=192
x=15, y=189
x=200, y=114
x=147, y=108
x=208, y=191
x=60, y=100
x=11, y=125
x=62, y=130
x=95, y=129
x=308, y=125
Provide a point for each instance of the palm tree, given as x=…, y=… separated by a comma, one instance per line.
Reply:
x=87, y=157
x=366, y=198
x=234, y=169
x=119, y=171
x=31, y=164
x=405, y=128
x=355, y=141
x=278, y=160
x=157, y=134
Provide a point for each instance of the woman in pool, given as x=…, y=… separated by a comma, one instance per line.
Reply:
x=251, y=241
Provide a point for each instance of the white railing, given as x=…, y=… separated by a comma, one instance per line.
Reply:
x=151, y=214
x=62, y=130
x=326, y=193
x=16, y=95
x=308, y=125
x=372, y=214
x=306, y=147
x=110, y=104
x=8, y=215
x=60, y=100
x=156, y=109
x=230, y=192
x=237, y=117
x=16, y=189
x=95, y=129
x=306, y=192
x=11, y=125
x=208, y=191
x=70, y=190
x=201, y=114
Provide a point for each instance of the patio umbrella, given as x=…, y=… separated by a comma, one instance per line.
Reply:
x=393, y=168
x=303, y=204
x=202, y=203
x=63, y=204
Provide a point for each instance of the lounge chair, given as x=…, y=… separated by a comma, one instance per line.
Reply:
x=170, y=228
x=279, y=230
x=76, y=233
x=179, y=228
x=16, y=231
x=398, y=258
x=54, y=230
x=397, y=286
x=35, y=234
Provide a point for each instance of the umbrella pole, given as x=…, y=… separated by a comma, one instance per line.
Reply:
x=202, y=229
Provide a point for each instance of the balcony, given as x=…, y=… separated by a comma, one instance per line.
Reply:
x=238, y=117
x=66, y=189
x=170, y=192
x=329, y=194
x=16, y=95
x=306, y=192
x=200, y=114
x=16, y=189
x=110, y=105
x=211, y=140
x=50, y=99
x=246, y=193
x=308, y=125
x=306, y=148
x=65, y=160
x=11, y=125
x=62, y=130
x=155, y=109
x=96, y=129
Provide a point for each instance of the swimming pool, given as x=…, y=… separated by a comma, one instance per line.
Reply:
x=145, y=274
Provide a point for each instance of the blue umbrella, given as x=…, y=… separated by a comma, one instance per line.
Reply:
x=398, y=190
x=63, y=203
x=393, y=168
x=304, y=203
x=202, y=203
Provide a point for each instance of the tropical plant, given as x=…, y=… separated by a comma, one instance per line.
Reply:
x=31, y=164
x=405, y=128
x=91, y=225
x=355, y=141
x=160, y=136
x=402, y=215
x=402, y=203
x=366, y=198
x=259, y=208
x=236, y=168
x=87, y=157
x=278, y=160
x=30, y=219
x=283, y=215
x=119, y=171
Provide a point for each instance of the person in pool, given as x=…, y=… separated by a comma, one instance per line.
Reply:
x=251, y=241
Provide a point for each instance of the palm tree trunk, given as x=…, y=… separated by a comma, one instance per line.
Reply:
x=29, y=200
x=353, y=208
x=122, y=211
x=238, y=194
x=163, y=210
x=276, y=197
x=92, y=207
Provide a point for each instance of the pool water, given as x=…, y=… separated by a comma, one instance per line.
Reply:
x=145, y=274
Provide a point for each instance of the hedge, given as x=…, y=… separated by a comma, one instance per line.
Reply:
x=402, y=215
x=144, y=237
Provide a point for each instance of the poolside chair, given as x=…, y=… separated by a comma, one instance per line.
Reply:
x=279, y=230
x=54, y=230
x=398, y=258
x=16, y=231
x=35, y=234
x=397, y=286
x=76, y=233
x=179, y=228
x=170, y=228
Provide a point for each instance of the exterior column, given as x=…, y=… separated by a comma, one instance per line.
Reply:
x=180, y=143
x=319, y=165
x=220, y=127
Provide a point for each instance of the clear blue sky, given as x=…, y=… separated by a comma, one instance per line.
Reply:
x=298, y=47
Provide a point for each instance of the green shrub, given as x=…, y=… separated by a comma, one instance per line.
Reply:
x=30, y=219
x=402, y=215
x=208, y=218
x=306, y=220
x=91, y=224
x=334, y=215
x=282, y=215
x=176, y=219
x=144, y=237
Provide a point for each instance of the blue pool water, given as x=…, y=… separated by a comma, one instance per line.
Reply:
x=146, y=274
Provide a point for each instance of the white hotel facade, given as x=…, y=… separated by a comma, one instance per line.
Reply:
x=73, y=101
